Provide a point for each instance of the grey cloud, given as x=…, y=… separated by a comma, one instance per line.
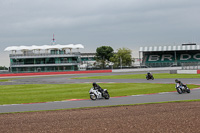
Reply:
x=117, y=23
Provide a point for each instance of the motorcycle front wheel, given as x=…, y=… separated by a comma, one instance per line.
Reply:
x=93, y=97
x=179, y=91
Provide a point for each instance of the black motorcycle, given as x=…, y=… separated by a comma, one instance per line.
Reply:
x=149, y=76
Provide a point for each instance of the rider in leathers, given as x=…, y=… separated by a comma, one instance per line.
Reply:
x=179, y=82
x=97, y=87
x=149, y=75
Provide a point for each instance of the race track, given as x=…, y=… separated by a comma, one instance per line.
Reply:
x=135, y=99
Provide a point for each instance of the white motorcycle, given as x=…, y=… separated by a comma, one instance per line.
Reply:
x=182, y=89
x=95, y=94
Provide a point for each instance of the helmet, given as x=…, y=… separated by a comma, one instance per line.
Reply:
x=176, y=80
x=94, y=84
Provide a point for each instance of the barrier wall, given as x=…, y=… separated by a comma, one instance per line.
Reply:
x=148, y=69
x=198, y=71
x=187, y=71
x=55, y=73
x=179, y=71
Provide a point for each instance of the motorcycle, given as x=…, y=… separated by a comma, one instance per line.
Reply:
x=149, y=77
x=95, y=94
x=182, y=89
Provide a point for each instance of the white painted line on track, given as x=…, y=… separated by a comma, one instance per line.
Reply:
x=137, y=95
x=165, y=92
x=10, y=104
x=152, y=94
x=32, y=103
x=91, y=82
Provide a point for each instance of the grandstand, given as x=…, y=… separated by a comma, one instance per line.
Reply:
x=185, y=55
x=45, y=58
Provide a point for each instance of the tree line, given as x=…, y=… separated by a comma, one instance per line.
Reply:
x=105, y=55
x=3, y=68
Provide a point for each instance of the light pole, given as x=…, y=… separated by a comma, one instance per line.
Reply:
x=120, y=61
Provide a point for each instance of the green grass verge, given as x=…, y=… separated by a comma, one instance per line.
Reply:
x=16, y=94
x=5, y=80
x=142, y=76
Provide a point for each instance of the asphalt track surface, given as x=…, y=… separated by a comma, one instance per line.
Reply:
x=65, y=79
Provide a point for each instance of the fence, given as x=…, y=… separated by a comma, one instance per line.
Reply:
x=190, y=65
x=160, y=64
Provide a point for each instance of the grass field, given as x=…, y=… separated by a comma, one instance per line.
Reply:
x=15, y=94
x=142, y=76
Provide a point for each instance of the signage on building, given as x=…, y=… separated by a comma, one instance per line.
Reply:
x=183, y=57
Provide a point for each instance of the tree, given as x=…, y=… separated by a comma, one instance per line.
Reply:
x=3, y=68
x=103, y=54
x=122, y=57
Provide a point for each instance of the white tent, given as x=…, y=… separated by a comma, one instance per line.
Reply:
x=44, y=47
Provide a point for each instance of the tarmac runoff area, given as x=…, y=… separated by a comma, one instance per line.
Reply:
x=75, y=103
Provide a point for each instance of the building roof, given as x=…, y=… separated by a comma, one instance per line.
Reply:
x=169, y=48
x=44, y=47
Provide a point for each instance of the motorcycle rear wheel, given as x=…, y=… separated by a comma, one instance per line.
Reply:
x=107, y=96
x=188, y=90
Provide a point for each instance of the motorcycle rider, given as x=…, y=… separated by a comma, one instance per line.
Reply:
x=179, y=82
x=149, y=74
x=97, y=87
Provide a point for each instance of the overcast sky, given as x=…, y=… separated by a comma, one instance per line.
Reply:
x=95, y=23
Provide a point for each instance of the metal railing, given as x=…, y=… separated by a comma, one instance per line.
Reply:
x=47, y=63
x=190, y=65
x=17, y=71
x=160, y=64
